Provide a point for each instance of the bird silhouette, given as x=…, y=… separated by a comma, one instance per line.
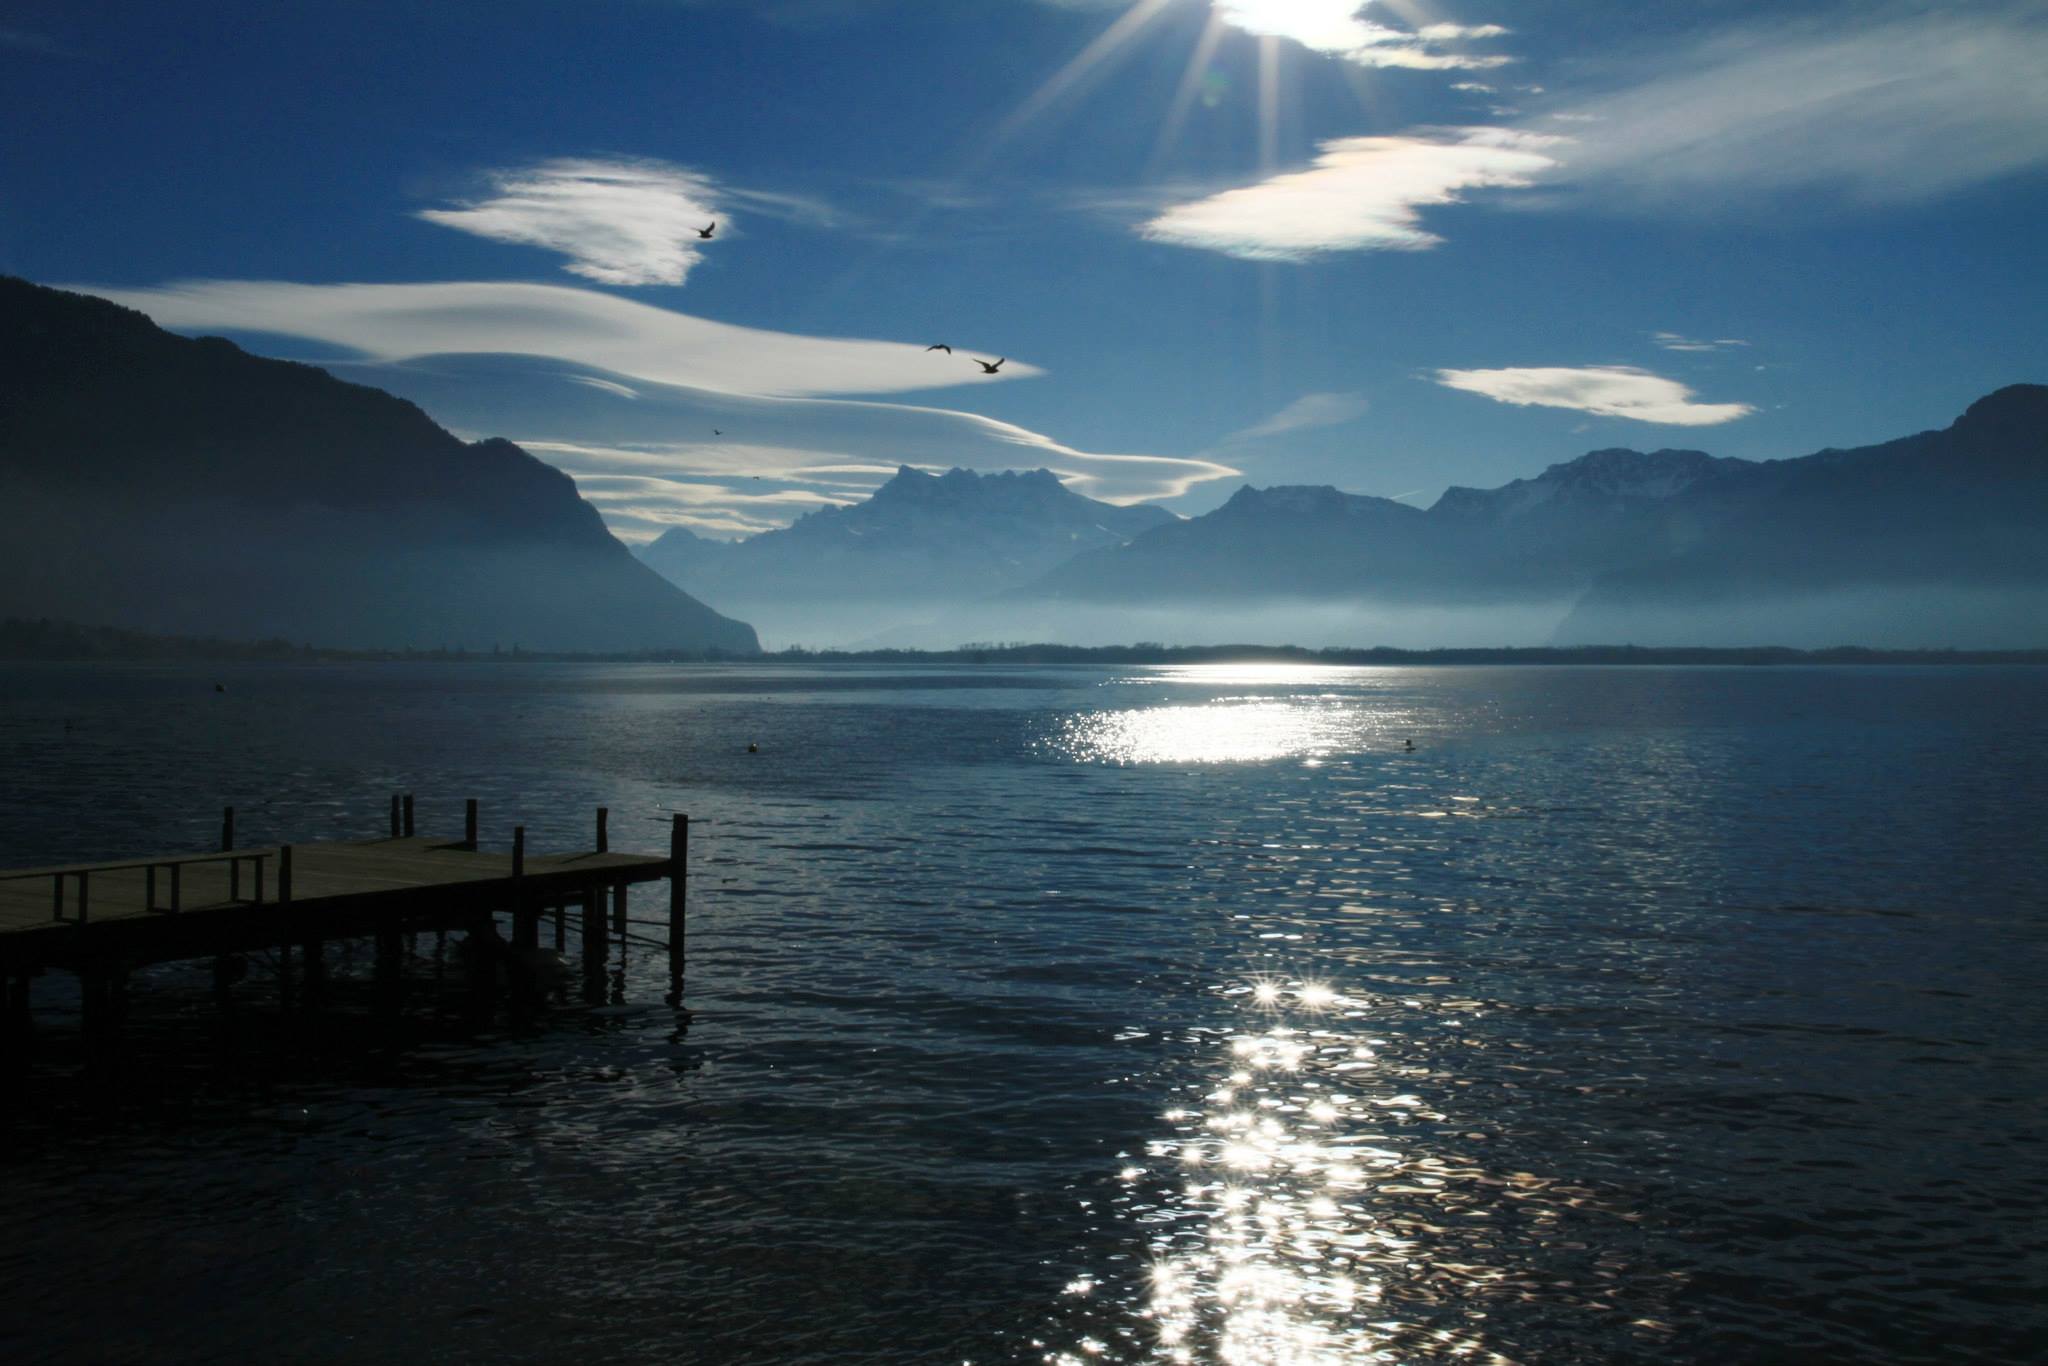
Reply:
x=716, y=432
x=988, y=369
x=940, y=346
x=705, y=233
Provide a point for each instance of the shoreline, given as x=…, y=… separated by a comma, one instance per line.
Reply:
x=54, y=642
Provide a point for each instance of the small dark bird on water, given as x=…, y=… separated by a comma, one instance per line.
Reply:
x=716, y=432
x=988, y=369
x=940, y=346
x=753, y=748
x=220, y=687
x=705, y=233
x=1408, y=746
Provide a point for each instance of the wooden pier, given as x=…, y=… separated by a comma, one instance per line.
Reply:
x=102, y=920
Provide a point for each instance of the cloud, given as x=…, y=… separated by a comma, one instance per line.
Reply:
x=1876, y=109
x=1603, y=390
x=528, y=362
x=1310, y=410
x=618, y=222
x=601, y=332
x=1672, y=341
x=1339, y=28
x=1361, y=194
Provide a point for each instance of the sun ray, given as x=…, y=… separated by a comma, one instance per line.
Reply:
x=1269, y=102
x=1068, y=78
x=1184, y=98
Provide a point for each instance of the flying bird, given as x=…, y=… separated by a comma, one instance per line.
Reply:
x=716, y=432
x=988, y=369
x=940, y=346
x=705, y=233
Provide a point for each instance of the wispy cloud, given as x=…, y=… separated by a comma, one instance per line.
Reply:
x=1310, y=410
x=620, y=337
x=1875, y=109
x=618, y=222
x=1361, y=194
x=1340, y=28
x=1673, y=341
x=523, y=361
x=1603, y=390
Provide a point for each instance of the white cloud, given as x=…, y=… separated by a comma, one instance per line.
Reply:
x=1673, y=341
x=1361, y=194
x=624, y=339
x=1310, y=410
x=1874, y=109
x=1339, y=28
x=1603, y=390
x=526, y=362
x=618, y=222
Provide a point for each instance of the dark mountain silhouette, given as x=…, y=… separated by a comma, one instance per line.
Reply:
x=1931, y=539
x=920, y=543
x=160, y=483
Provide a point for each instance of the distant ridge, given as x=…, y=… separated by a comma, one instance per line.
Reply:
x=921, y=542
x=165, y=484
x=1937, y=537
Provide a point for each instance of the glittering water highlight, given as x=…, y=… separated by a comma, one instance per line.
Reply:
x=1142, y=1016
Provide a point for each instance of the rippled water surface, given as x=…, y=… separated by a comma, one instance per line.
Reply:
x=1070, y=1015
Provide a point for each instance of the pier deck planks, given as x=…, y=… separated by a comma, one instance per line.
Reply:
x=344, y=885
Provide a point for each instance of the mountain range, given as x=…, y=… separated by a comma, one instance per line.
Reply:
x=161, y=483
x=1935, y=539
x=919, y=545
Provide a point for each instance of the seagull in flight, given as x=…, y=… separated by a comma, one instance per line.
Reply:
x=705, y=233
x=987, y=368
x=940, y=346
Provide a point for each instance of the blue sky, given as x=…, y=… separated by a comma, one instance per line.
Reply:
x=1391, y=247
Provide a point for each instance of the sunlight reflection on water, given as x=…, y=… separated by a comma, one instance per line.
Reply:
x=1285, y=711
x=1268, y=1245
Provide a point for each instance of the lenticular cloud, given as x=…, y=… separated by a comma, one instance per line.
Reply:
x=1602, y=390
x=1361, y=194
x=618, y=222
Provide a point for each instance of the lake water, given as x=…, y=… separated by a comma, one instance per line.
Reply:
x=1158, y=1014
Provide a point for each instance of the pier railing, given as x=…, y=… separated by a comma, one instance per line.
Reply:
x=257, y=860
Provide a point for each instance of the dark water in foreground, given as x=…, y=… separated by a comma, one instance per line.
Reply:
x=1154, y=1015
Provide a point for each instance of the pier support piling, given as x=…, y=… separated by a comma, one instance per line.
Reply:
x=678, y=873
x=469, y=823
x=525, y=917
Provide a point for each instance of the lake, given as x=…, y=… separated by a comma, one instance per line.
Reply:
x=1082, y=1015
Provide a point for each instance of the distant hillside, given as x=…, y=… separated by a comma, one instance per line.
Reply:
x=158, y=483
x=921, y=542
x=1935, y=539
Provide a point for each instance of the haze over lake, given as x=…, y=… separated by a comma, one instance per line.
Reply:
x=1674, y=1014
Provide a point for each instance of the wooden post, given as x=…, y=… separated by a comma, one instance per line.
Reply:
x=395, y=827
x=561, y=926
x=469, y=823
x=594, y=948
x=285, y=992
x=227, y=828
x=19, y=1027
x=390, y=968
x=678, y=872
x=408, y=815
x=525, y=918
x=315, y=953
x=604, y=839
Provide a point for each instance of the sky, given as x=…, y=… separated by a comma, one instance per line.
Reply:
x=1392, y=247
